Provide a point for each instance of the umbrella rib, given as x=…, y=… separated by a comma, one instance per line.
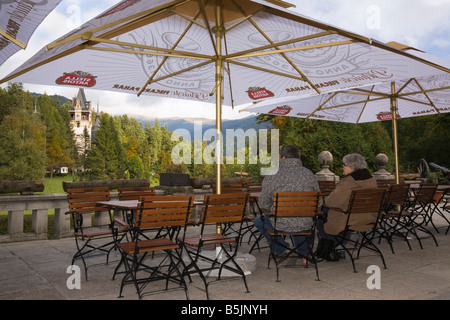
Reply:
x=426, y=95
x=349, y=104
x=266, y=70
x=321, y=105
x=12, y=39
x=203, y=11
x=128, y=20
x=169, y=55
x=282, y=52
x=283, y=43
x=168, y=52
x=365, y=104
x=56, y=57
x=150, y=80
x=323, y=45
x=367, y=92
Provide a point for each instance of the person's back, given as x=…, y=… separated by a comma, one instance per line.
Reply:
x=291, y=176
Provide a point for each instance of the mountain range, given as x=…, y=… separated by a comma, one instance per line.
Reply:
x=189, y=124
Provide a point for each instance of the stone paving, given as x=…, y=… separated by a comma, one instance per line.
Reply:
x=37, y=270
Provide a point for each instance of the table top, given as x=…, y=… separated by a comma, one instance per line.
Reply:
x=129, y=204
x=120, y=204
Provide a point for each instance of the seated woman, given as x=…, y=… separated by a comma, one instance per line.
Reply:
x=356, y=176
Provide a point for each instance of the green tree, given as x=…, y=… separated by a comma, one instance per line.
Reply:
x=22, y=141
x=105, y=156
x=313, y=137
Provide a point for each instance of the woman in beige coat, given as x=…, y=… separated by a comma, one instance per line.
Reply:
x=356, y=176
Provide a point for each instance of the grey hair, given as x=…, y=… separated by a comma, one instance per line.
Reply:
x=290, y=151
x=355, y=161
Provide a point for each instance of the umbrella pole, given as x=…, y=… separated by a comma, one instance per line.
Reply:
x=219, y=30
x=394, y=130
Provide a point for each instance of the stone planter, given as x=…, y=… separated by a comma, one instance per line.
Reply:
x=24, y=187
x=174, y=179
x=112, y=184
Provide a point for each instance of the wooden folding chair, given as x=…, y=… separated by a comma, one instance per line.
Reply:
x=100, y=238
x=419, y=212
x=446, y=208
x=170, y=213
x=326, y=187
x=397, y=202
x=133, y=193
x=294, y=205
x=217, y=209
x=363, y=212
x=228, y=188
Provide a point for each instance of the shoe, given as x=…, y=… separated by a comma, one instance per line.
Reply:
x=332, y=256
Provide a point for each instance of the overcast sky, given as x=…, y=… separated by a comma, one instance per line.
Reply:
x=423, y=24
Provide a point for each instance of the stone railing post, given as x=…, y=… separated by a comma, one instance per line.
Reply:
x=381, y=160
x=39, y=205
x=325, y=159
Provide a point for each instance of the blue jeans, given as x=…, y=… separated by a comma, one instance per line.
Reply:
x=262, y=223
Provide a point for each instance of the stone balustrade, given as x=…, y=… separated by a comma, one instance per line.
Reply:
x=41, y=205
x=16, y=205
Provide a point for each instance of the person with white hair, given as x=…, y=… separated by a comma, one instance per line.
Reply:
x=356, y=176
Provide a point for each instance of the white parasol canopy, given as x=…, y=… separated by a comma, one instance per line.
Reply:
x=18, y=20
x=226, y=52
x=410, y=97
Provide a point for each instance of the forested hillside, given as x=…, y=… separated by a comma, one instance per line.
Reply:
x=36, y=139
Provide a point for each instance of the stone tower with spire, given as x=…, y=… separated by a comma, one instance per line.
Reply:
x=81, y=116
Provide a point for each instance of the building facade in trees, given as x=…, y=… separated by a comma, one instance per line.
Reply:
x=81, y=115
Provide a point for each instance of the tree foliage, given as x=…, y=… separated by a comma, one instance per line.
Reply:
x=36, y=136
x=313, y=136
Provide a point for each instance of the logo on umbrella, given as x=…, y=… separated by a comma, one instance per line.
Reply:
x=282, y=111
x=77, y=78
x=256, y=93
x=386, y=116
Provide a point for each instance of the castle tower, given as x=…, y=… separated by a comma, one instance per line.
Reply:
x=81, y=117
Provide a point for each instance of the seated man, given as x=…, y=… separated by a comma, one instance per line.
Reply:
x=291, y=176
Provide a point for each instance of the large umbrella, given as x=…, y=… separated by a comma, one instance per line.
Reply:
x=409, y=97
x=225, y=52
x=18, y=21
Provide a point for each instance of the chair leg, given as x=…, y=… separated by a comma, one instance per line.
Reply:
x=364, y=241
x=80, y=255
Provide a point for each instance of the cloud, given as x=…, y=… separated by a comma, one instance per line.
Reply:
x=418, y=23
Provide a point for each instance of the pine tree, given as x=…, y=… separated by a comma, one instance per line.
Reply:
x=104, y=156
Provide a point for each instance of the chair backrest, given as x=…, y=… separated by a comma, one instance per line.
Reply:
x=135, y=193
x=229, y=188
x=397, y=194
x=164, y=211
x=326, y=187
x=386, y=183
x=254, y=187
x=85, y=200
x=224, y=208
x=425, y=193
x=295, y=204
x=367, y=202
